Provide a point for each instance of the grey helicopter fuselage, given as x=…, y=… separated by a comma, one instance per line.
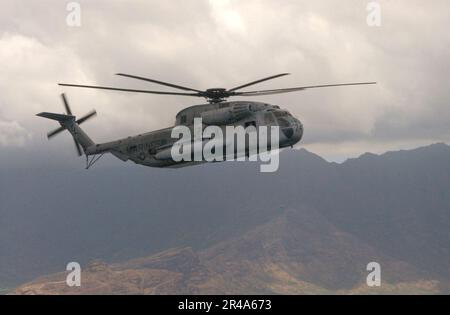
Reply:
x=153, y=148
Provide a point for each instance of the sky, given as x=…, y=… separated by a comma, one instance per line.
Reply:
x=220, y=43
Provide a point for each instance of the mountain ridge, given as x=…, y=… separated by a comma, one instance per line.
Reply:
x=394, y=204
x=223, y=269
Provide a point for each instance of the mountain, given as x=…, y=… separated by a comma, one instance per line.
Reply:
x=310, y=227
x=298, y=252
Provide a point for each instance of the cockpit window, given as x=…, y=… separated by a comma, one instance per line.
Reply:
x=282, y=122
x=268, y=117
x=279, y=114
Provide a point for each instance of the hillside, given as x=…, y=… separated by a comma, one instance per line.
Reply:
x=311, y=227
x=295, y=253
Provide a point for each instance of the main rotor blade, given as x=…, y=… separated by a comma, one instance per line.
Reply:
x=86, y=117
x=77, y=147
x=66, y=104
x=288, y=90
x=53, y=133
x=129, y=90
x=158, y=82
x=258, y=81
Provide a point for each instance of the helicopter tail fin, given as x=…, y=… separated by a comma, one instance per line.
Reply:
x=70, y=123
x=54, y=116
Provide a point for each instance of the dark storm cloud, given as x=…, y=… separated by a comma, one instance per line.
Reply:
x=224, y=43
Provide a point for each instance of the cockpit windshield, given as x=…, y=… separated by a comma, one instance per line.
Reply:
x=281, y=113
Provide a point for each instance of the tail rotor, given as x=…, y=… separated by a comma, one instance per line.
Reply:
x=66, y=121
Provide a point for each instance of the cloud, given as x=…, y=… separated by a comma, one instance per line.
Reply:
x=13, y=134
x=225, y=43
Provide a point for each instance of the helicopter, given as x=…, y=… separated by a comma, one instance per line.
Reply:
x=156, y=148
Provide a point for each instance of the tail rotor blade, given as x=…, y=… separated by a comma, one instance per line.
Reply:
x=66, y=104
x=86, y=117
x=53, y=133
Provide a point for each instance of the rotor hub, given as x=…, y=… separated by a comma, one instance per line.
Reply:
x=216, y=95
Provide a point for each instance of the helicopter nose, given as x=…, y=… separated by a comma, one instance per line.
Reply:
x=293, y=131
x=298, y=131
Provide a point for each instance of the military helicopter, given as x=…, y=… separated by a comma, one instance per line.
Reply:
x=154, y=148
